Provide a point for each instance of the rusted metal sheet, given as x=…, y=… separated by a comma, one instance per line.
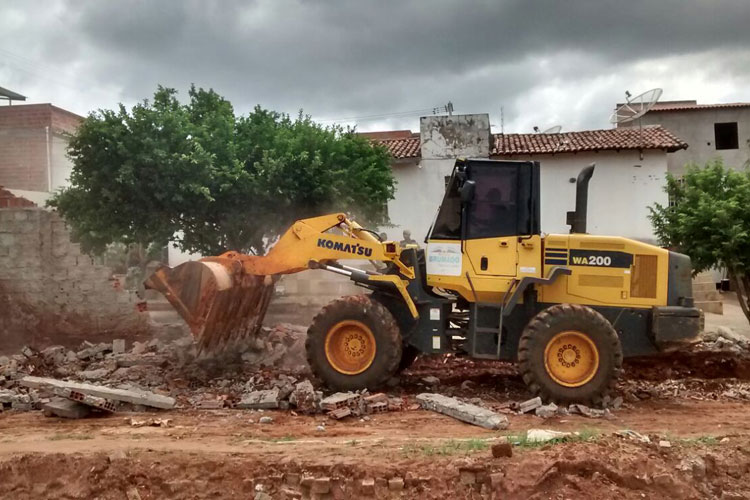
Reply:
x=218, y=300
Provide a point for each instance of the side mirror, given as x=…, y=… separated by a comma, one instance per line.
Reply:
x=467, y=192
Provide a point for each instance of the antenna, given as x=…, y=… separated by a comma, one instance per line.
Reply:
x=502, y=121
x=636, y=107
x=448, y=108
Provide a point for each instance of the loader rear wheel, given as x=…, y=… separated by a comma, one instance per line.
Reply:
x=354, y=343
x=570, y=353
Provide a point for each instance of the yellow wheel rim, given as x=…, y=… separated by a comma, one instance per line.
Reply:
x=571, y=358
x=350, y=347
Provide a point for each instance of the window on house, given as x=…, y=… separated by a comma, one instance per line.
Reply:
x=672, y=200
x=725, y=135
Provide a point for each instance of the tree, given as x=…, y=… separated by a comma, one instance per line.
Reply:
x=196, y=175
x=709, y=220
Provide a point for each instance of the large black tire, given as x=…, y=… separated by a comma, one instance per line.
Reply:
x=549, y=326
x=408, y=356
x=384, y=329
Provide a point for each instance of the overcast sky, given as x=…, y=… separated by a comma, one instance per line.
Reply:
x=545, y=62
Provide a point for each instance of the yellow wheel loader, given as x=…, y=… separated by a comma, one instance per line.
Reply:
x=490, y=285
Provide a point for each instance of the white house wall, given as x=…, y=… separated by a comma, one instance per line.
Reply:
x=622, y=188
x=696, y=128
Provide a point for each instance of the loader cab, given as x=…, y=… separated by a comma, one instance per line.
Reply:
x=488, y=205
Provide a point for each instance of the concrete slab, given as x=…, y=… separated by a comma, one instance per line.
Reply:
x=465, y=412
x=260, y=400
x=127, y=396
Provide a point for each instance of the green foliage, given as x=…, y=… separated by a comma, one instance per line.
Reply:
x=709, y=219
x=197, y=175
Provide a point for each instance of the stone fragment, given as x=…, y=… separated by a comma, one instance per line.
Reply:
x=87, y=399
x=340, y=413
x=396, y=484
x=431, y=380
x=381, y=407
x=543, y=435
x=584, y=410
x=341, y=400
x=368, y=486
x=378, y=397
x=467, y=477
x=118, y=346
x=502, y=450
x=93, y=375
x=664, y=444
x=65, y=408
x=468, y=413
x=546, y=411
x=265, y=420
x=94, y=350
x=529, y=405
x=321, y=485
x=304, y=397
x=260, y=400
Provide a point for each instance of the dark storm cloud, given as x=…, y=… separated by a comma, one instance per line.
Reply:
x=340, y=59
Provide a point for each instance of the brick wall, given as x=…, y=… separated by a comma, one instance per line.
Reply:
x=28, y=134
x=50, y=292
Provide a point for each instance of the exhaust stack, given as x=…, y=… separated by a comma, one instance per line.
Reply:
x=577, y=220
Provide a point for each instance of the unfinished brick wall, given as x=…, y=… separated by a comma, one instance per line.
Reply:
x=50, y=292
x=32, y=142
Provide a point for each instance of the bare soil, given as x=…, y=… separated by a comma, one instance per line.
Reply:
x=229, y=454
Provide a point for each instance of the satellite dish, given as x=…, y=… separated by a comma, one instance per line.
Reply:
x=635, y=107
x=552, y=130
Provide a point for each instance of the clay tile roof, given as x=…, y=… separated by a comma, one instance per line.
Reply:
x=403, y=148
x=655, y=137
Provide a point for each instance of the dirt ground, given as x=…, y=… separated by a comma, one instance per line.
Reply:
x=229, y=454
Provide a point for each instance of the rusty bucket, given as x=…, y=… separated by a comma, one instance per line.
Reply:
x=219, y=301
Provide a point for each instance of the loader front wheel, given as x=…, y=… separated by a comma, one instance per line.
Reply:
x=570, y=353
x=354, y=343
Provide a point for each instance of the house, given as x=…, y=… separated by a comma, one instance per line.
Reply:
x=631, y=166
x=712, y=130
x=33, y=143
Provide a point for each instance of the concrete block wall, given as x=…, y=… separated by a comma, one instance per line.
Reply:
x=51, y=292
x=299, y=297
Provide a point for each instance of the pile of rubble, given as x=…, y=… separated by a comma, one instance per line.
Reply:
x=174, y=368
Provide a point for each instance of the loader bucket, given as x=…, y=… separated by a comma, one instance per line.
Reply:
x=220, y=304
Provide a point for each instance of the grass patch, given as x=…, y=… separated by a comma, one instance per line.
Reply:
x=283, y=439
x=447, y=448
x=62, y=437
x=700, y=440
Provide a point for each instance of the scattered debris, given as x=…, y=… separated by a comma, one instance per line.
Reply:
x=531, y=404
x=543, y=435
x=546, y=411
x=628, y=434
x=150, y=422
x=664, y=444
x=65, y=408
x=465, y=412
x=431, y=380
x=265, y=420
x=263, y=400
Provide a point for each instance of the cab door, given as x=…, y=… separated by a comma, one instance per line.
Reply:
x=491, y=219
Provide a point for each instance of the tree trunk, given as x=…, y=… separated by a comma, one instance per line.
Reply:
x=742, y=286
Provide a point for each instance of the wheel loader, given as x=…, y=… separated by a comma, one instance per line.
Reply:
x=490, y=285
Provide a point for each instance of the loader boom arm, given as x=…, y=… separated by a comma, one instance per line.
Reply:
x=224, y=298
